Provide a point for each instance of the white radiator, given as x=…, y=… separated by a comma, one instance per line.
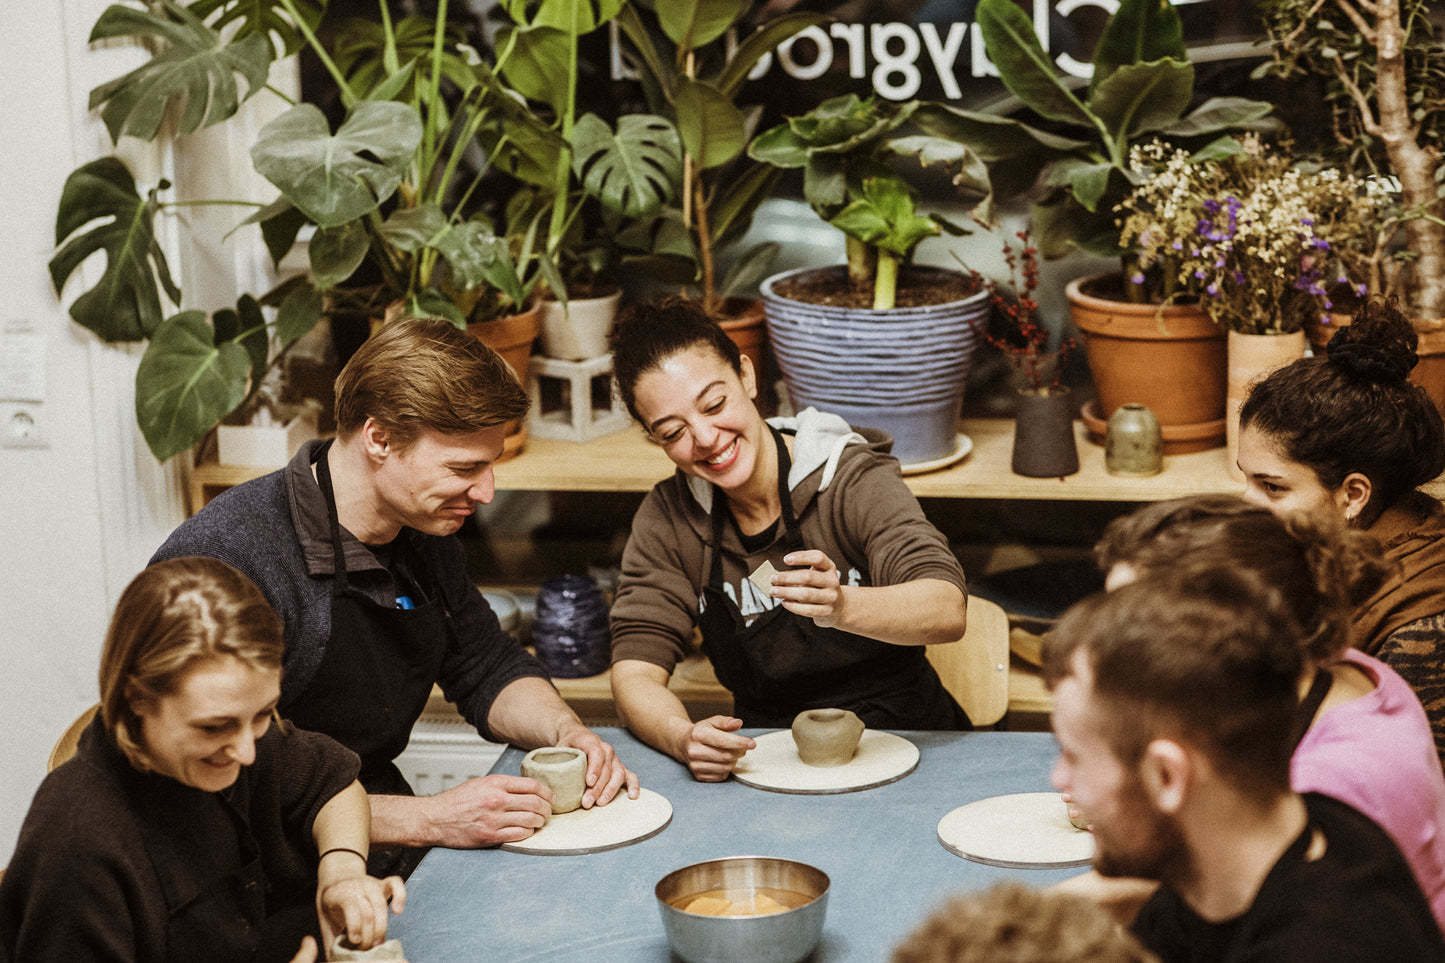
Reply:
x=443, y=753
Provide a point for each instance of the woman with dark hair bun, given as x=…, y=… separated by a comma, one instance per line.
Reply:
x=1345, y=437
x=791, y=545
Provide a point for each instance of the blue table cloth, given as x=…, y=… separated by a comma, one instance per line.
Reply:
x=879, y=847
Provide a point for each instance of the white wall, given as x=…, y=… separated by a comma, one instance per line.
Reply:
x=81, y=516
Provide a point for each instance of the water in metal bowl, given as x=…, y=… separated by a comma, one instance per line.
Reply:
x=785, y=936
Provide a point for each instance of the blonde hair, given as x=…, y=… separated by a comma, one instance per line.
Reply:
x=1013, y=923
x=171, y=616
x=420, y=374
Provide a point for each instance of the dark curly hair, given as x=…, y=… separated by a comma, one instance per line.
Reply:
x=1353, y=409
x=647, y=333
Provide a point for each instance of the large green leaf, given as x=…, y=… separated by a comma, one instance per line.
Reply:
x=573, y=16
x=1139, y=97
x=337, y=178
x=516, y=140
x=763, y=41
x=125, y=304
x=193, y=66
x=186, y=383
x=993, y=138
x=1138, y=32
x=246, y=326
x=747, y=272
x=730, y=213
x=1023, y=66
x=280, y=223
x=631, y=171
x=265, y=17
x=885, y=216
x=1217, y=114
x=336, y=253
x=713, y=130
x=299, y=311
x=537, y=59
x=478, y=256
x=360, y=54
x=695, y=23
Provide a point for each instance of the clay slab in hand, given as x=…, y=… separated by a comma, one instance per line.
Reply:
x=762, y=576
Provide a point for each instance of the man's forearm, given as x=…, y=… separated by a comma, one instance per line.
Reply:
x=401, y=821
x=530, y=713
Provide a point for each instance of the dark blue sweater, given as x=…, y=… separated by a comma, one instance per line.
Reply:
x=275, y=530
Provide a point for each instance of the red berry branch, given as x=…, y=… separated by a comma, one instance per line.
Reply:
x=1025, y=341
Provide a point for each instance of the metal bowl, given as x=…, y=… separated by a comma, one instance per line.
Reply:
x=784, y=937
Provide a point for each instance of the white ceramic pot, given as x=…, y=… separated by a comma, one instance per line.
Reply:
x=577, y=331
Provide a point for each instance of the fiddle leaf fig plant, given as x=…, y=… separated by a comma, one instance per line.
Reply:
x=1142, y=86
x=843, y=145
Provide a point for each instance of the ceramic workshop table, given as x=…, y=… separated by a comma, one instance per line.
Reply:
x=879, y=847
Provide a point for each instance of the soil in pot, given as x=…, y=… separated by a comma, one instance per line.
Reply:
x=915, y=289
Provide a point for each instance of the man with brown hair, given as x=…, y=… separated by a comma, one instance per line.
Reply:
x=352, y=545
x=1174, y=698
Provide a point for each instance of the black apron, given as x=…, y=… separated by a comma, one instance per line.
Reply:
x=377, y=671
x=783, y=663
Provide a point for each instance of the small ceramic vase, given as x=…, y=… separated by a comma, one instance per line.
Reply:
x=1044, y=445
x=827, y=737
x=569, y=628
x=563, y=770
x=1133, y=442
x=342, y=950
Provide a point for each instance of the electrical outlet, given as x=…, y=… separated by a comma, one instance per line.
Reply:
x=22, y=425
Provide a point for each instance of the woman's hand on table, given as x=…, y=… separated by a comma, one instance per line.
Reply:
x=714, y=747
x=357, y=906
x=605, y=772
x=812, y=590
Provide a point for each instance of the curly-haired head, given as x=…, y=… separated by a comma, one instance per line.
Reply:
x=1353, y=409
x=648, y=333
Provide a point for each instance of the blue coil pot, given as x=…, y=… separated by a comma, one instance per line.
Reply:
x=901, y=371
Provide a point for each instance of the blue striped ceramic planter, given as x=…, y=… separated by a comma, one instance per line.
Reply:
x=901, y=371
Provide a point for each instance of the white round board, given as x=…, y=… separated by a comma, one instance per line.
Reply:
x=882, y=757
x=621, y=822
x=1029, y=830
x=962, y=445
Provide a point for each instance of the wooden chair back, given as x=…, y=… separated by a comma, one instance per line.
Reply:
x=70, y=738
x=974, y=669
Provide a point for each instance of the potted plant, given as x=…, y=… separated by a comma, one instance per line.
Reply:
x=1261, y=242
x=629, y=170
x=1170, y=358
x=880, y=342
x=387, y=200
x=696, y=83
x=1044, y=421
x=1384, y=69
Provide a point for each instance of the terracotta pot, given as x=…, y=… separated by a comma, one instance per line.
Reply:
x=511, y=337
x=901, y=371
x=1044, y=444
x=827, y=737
x=1251, y=357
x=745, y=324
x=1172, y=360
x=577, y=331
x=563, y=770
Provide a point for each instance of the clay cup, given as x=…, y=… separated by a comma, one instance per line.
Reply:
x=827, y=737
x=341, y=949
x=562, y=770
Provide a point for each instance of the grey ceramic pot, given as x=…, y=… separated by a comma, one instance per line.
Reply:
x=1044, y=445
x=1133, y=442
x=901, y=371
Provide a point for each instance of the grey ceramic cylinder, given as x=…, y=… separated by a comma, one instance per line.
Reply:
x=901, y=370
x=563, y=770
x=1133, y=442
x=1044, y=445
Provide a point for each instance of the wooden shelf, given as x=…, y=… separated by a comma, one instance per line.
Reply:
x=626, y=461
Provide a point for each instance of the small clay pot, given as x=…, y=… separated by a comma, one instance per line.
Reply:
x=827, y=737
x=342, y=950
x=1133, y=442
x=1080, y=821
x=564, y=771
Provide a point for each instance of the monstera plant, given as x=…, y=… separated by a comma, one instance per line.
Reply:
x=388, y=200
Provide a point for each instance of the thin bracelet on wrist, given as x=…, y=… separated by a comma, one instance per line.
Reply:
x=343, y=849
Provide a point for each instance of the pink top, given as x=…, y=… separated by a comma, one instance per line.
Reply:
x=1377, y=754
